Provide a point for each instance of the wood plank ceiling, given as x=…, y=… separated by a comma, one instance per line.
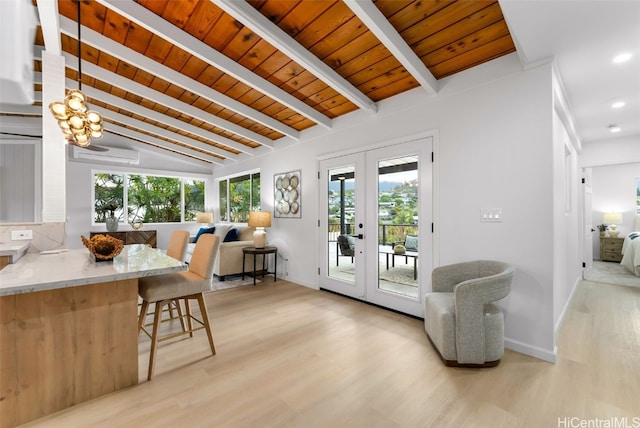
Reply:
x=210, y=81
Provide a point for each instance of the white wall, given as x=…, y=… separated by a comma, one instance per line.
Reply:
x=567, y=223
x=610, y=152
x=493, y=130
x=79, y=188
x=614, y=190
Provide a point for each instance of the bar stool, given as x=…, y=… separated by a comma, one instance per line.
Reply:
x=189, y=285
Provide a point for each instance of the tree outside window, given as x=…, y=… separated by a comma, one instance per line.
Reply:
x=242, y=197
x=108, y=190
x=150, y=199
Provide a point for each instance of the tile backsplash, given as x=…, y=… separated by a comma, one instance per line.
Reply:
x=46, y=236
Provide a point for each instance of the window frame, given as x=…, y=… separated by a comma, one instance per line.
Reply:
x=123, y=219
x=251, y=177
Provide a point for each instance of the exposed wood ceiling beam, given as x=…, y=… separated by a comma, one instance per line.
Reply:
x=134, y=108
x=165, y=100
x=48, y=14
x=190, y=44
x=91, y=92
x=245, y=13
x=378, y=24
x=123, y=53
x=135, y=135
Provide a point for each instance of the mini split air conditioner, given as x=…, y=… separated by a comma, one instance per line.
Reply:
x=113, y=156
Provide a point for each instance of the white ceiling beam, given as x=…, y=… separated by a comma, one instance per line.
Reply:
x=378, y=24
x=245, y=13
x=142, y=111
x=119, y=51
x=206, y=53
x=48, y=14
x=165, y=100
x=135, y=135
x=21, y=109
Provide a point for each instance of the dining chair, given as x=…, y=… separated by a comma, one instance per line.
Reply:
x=177, y=249
x=187, y=285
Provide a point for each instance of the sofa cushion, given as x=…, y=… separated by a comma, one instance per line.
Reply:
x=202, y=231
x=232, y=235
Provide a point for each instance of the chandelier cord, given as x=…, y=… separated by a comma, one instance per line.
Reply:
x=79, y=49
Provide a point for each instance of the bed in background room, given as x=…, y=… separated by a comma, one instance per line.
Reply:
x=631, y=250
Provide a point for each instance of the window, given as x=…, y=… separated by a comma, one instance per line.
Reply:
x=638, y=196
x=239, y=195
x=147, y=198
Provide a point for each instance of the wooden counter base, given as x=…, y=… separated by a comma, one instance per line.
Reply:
x=61, y=347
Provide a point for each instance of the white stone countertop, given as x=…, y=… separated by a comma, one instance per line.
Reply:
x=39, y=272
x=14, y=250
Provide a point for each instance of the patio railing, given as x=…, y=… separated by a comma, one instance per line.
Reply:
x=387, y=233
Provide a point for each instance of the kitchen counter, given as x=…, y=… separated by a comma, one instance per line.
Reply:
x=13, y=251
x=69, y=328
x=39, y=272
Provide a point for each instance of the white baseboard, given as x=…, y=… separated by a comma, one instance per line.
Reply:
x=533, y=351
x=307, y=284
x=564, y=310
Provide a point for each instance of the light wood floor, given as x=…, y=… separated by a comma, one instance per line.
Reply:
x=289, y=356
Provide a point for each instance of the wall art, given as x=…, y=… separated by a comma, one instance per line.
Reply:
x=287, y=198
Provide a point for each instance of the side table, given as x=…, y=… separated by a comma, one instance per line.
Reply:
x=264, y=251
x=611, y=249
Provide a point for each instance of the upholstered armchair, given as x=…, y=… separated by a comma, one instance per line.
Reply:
x=461, y=320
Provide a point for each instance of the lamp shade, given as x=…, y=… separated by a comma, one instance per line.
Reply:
x=204, y=218
x=259, y=219
x=613, y=218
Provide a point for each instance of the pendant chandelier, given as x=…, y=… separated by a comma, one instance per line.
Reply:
x=78, y=124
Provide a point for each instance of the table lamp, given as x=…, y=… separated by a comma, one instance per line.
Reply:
x=613, y=220
x=204, y=218
x=259, y=220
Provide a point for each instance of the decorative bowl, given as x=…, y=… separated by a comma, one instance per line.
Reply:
x=103, y=247
x=136, y=225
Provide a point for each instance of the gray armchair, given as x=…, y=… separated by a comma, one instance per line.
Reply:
x=461, y=321
x=347, y=247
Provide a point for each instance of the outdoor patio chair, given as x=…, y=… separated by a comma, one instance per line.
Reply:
x=347, y=247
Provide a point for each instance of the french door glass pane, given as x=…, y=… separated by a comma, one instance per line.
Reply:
x=398, y=225
x=341, y=211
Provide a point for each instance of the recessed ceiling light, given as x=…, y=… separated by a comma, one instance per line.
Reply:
x=614, y=128
x=622, y=58
x=618, y=104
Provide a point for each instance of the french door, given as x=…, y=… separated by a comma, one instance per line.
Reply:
x=376, y=225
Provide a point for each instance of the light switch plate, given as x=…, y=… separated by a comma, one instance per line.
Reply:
x=21, y=235
x=491, y=215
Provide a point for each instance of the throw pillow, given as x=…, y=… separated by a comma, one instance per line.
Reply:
x=411, y=243
x=232, y=235
x=221, y=230
x=202, y=231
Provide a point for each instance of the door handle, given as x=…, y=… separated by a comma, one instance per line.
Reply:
x=359, y=236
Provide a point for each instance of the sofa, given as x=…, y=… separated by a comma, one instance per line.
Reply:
x=229, y=259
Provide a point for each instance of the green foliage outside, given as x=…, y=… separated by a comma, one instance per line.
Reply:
x=243, y=197
x=150, y=199
x=193, y=198
x=401, y=221
x=108, y=188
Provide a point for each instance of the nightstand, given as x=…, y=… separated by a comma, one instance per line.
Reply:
x=610, y=249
